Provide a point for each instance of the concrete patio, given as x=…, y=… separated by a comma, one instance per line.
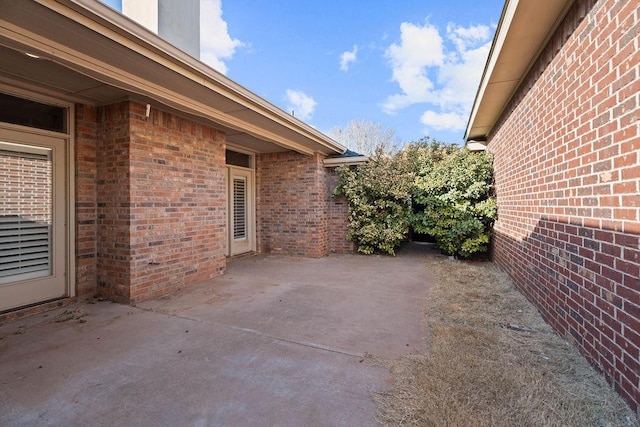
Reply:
x=275, y=341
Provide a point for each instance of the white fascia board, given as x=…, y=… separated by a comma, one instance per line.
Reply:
x=340, y=161
x=508, y=12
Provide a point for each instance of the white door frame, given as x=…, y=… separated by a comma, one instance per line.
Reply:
x=247, y=241
x=63, y=238
x=56, y=284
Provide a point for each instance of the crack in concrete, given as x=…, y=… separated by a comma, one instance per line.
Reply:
x=262, y=334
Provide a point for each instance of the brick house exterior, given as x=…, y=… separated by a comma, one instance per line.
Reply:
x=147, y=205
x=298, y=213
x=565, y=135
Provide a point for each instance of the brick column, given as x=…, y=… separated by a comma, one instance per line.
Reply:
x=292, y=204
x=161, y=202
x=85, y=202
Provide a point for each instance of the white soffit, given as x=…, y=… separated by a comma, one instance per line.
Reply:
x=523, y=31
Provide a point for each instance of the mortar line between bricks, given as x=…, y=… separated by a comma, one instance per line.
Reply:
x=261, y=334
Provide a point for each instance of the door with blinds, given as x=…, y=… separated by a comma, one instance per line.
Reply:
x=241, y=223
x=33, y=200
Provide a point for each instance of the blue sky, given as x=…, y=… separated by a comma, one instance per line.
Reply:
x=411, y=66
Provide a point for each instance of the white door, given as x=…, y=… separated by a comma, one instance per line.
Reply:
x=33, y=235
x=241, y=222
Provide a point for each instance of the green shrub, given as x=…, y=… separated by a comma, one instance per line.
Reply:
x=437, y=189
x=452, y=199
x=379, y=202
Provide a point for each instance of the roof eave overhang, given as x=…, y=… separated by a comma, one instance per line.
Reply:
x=476, y=146
x=524, y=29
x=344, y=161
x=246, y=112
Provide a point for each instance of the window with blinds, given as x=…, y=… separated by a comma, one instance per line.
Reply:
x=25, y=249
x=25, y=215
x=239, y=208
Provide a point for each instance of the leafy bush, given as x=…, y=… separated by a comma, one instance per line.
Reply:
x=452, y=199
x=379, y=202
x=440, y=190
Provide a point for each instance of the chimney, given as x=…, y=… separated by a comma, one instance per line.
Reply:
x=176, y=21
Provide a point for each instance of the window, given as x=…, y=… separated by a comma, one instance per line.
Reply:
x=20, y=111
x=239, y=159
x=26, y=213
x=239, y=208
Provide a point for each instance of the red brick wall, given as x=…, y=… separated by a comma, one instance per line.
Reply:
x=338, y=218
x=161, y=202
x=85, y=199
x=567, y=174
x=292, y=201
x=113, y=201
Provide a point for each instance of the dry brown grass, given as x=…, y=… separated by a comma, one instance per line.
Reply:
x=492, y=362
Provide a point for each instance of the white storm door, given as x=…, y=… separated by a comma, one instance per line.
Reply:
x=33, y=236
x=241, y=223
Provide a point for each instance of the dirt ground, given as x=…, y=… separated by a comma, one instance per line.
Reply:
x=492, y=361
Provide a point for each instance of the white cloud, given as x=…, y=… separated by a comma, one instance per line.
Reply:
x=419, y=49
x=300, y=104
x=347, y=58
x=465, y=37
x=216, y=44
x=443, y=121
x=441, y=72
